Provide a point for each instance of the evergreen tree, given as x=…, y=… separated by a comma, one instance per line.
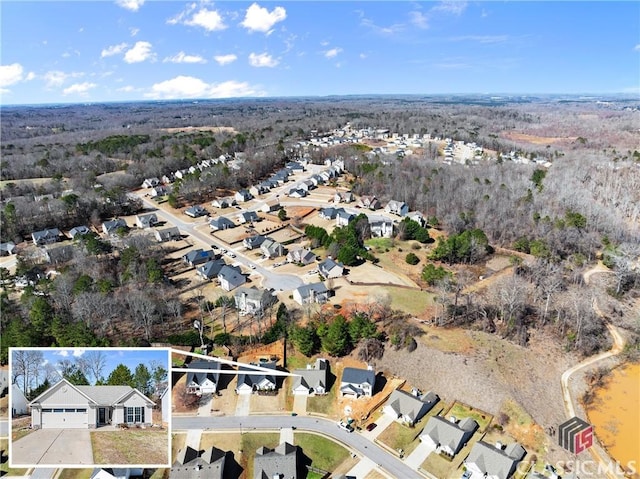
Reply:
x=121, y=376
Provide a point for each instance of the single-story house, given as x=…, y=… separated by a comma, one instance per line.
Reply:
x=448, y=436
x=195, y=211
x=210, y=269
x=328, y=213
x=280, y=463
x=203, y=382
x=64, y=405
x=150, y=182
x=248, y=217
x=294, y=167
x=168, y=234
x=110, y=227
x=223, y=202
x=19, y=403
x=301, y=255
x=253, y=242
x=271, y=248
x=79, y=230
x=271, y=205
x=198, y=256
x=399, y=208
x=296, y=193
x=262, y=381
x=252, y=300
x=7, y=249
x=409, y=408
x=494, y=462
x=161, y=190
x=221, y=223
x=311, y=293
x=330, y=269
x=243, y=196
x=259, y=189
x=231, y=277
x=146, y=221
x=358, y=382
x=191, y=464
x=313, y=379
x=47, y=236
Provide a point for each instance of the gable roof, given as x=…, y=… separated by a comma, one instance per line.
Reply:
x=447, y=433
x=278, y=462
x=312, y=377
x=359, y=376
x=200, y=377
x=252, y=379
x=191, y=464
x=410, y=406
x=493, y=461
x=99, y=395
x=306, y=290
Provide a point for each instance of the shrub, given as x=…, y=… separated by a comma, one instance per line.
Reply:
x=412, y=259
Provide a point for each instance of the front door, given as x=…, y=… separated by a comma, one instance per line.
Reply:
x=101, y=416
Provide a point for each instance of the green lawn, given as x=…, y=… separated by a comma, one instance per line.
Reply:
x=324, y=453
x=379, y=245
x=461, y=411
x=398, y=436
x=409, y=300
x=326, y=404
x=75, y=474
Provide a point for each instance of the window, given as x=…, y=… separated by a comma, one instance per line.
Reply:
x=46, y=410
x=58, y=410
x=81, y=410
x=134, y=414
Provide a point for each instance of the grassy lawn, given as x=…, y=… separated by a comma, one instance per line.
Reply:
x=20, y=428
x=461, y=411
x=75, y=474
x=440, y=466
x=130, y=447
x=398, y=436
x=177, y=443
x=409, y=300
x=523, y=429
x=324, y=453
x=5, y=470
x=379, y=245
x=228, y=441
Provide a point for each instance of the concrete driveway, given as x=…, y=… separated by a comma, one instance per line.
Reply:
x=53, y=447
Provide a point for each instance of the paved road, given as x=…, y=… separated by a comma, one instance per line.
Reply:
x=355, y=441
x=52, y=447
x=43, y=473
x=4, y=428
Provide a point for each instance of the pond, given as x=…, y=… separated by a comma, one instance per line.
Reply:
x=615, y=415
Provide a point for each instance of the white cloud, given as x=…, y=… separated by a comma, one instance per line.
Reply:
x=225, y=59
x=262, y=60
x=80, y=89
x=140, y=52
x=134, y=31
x=363, y=56
x=182, y=57
x=419, y=19
x=191, y=87
x=454, y=7
x=78, y=352
x=133, y=5
x=481, y=38
x=113, y=50
x=64, y=353
x=10, y=74
x=259, y=19
x=637, y=47
x=390, y=30
x=56, y=78
x=332, y=52
x=210, y=20
x=126, y=89
x=30, y=76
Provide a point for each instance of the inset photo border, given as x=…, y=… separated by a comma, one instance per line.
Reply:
x=84, y=407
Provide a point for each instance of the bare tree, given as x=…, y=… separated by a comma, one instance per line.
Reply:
x=96, y=361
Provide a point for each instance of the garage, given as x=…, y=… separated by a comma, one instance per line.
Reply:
x=68, y=418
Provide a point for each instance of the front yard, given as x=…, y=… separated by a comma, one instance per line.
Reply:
x=133, y=446
x=5, y=470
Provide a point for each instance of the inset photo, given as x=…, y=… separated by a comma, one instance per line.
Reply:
x=75, y=407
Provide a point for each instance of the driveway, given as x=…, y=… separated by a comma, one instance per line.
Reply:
x=53, y=447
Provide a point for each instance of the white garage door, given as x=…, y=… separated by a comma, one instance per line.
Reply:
x=64, y=418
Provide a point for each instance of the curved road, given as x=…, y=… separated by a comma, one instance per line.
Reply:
x=354, y=441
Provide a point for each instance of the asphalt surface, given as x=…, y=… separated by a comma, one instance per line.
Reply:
x=354, y=441
x=53, y=447
x=4, y=428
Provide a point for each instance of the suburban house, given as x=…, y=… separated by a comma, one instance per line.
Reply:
x=200, y=382
x=409, y=408
x=191, y=464
x=231, y=277
x=294, y=167
x=252, y=300
x=111, y=227
x=271, y=248
x=343, y=217
x=494, y=462
x=380, y=226
x=328, y=213
x=313, y=379
x=281, y=462
x=311, y=293
x=263, y=381
x=330, y=269
x=248, y=217
x=417, y=217
x=259, y=189
x=448, y=436
x=301, y=255
x=198, y=256
x=358, y=382
x=343, y=197
x=146, y=221
x=47, y=236
x=243, y=196
x=210, y=269
x=64, y=405
x=150, y=182
x=370, y=202
x=19, y=403
x=270, y=206
x=116, y=473
x=160, y=191
x=165, y=404
x=195, y=211
x=296, y=193
x=57, y=254
x=399, y=208
x=223, y=202
x=79, y=230
x=167, y=234
x=221, y=223
x=7, y=249
x=253, y=242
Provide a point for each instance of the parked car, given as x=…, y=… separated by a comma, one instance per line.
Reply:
x=345, y=426
x=372, y=426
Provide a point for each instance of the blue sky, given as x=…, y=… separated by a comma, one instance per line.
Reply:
x=125, y=50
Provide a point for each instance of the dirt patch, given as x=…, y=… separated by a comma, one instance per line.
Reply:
x=133, y=446
x=188, y=129
x=537, y=140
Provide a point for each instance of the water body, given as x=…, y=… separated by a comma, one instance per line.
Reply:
x=615, y=416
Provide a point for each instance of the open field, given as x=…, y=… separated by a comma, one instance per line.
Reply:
x=214, y=129
x=130, y=447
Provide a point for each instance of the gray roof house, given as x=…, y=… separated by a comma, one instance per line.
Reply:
x=242, y=196
x=167, y=234
x=252, y=300
x=191, y=464
x=380, y=226
x=328, y=213
x=110, y=227
x=195, y=211
x=47, y=236
x=358, y=382
x=313, y=379
x=146, y=221
x=399, y=208
x=7, y=249
x=296, y=193
x=343, y=217
x=253, y=242
x=311, y=293
x=221, y=223
x=66, y=406
x=161, y=190
x=448, y=436
x=330, y=268
x=491, y=462
x=280, y=463
x=271, y=248
x=370, y=202
x=270, y=205
x=418, y=217
x=247, y=383
x=343, y=197
x=409, y=408
x=301, y=255
x=198, y=256
x=230, y=277
x=200, y=382
x=248, y=217
x=79, y=230
x=150, y=182
x=223, y=202
x=210, y=269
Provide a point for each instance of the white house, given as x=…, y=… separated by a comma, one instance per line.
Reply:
x=448, y=436
x=358, y=382
x=409, y=408
x=399, y=208
x=313, y=379
x=494, y=462
x=311, y=293
x=19, y=403
x=203, y=379
x=146, y=221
